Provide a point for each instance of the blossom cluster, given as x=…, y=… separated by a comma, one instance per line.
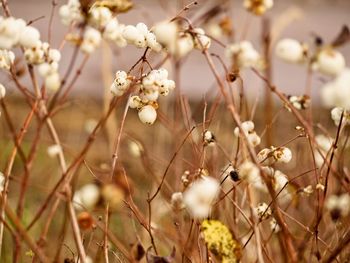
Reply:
x=324, y=144
x=336, y=93
x=15, y=32
x=326, y=60
x=180, y=42
x=250, y=173
x=86, y=197
x=248, y=129
x=200, y=196
x=258, y=7
x=273, y=154
x=152, y=85
x=245, y=55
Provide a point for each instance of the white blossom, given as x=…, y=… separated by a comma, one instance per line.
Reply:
x=100, y=16
x=166, y=34
x=135, y=148
x=90, y=125
x=141, y=37
x=263, y=211
x=330, y=62
x=113, y=32
x=6, y=59
x=36, y=55
x=274, y=226
x=214, y=30
x=157, y=82
x=208, y=137
x=280, y=180
x=300, y=102
x=86, y=197
x=324, y=144
x=270, y=155
x=15, y=32
x=283, y=155
x=200, y=196
x=147, y=114
x=245, y=54
x=10, y=31
x=91, y=40
x=52, y=81
x=308, y=190
x=336, y=115
x=291, y=50
x=54, y=150
x=183, y=46
x=336, y=93
x=280, y=184
x=201, y=41
x=248, y=129
x=29, y=37
x=249, y=172
x=320, y=187
x=135, y=102
x=71, y=12
x=258, y=7
x=120, y=84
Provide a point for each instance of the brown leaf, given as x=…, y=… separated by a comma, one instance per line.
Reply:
x=151, y=258
x=137, y=251
x=117, y=6
x=342, y=38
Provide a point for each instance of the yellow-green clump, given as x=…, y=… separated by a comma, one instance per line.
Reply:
x=220, y=241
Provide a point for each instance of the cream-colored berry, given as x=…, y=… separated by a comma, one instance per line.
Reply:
x=147, y=114
x=291, y=50
x=330, y=62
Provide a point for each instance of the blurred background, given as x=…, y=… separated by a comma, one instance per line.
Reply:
x=299, y=19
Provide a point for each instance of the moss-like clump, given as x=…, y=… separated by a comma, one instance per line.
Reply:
x=220, y=241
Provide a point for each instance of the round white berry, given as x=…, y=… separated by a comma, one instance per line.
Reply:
x=254, y=139
x=166, y=34
x=54, y=150
x=52, y=82
x=30, y=36
x=116, y=90
x=290, y=50
x=44, y=69
x=142, y=28
x=130, y=33
x=121, y=74
x=147, y=114
x=54, y=55
x=184, y=45
x=330, y=62
x=152, y=42
x=135, y=102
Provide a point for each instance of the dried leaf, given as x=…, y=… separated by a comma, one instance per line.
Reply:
x=117, y=6
x=343, y=37
x=151, y=258
x=137, y=251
